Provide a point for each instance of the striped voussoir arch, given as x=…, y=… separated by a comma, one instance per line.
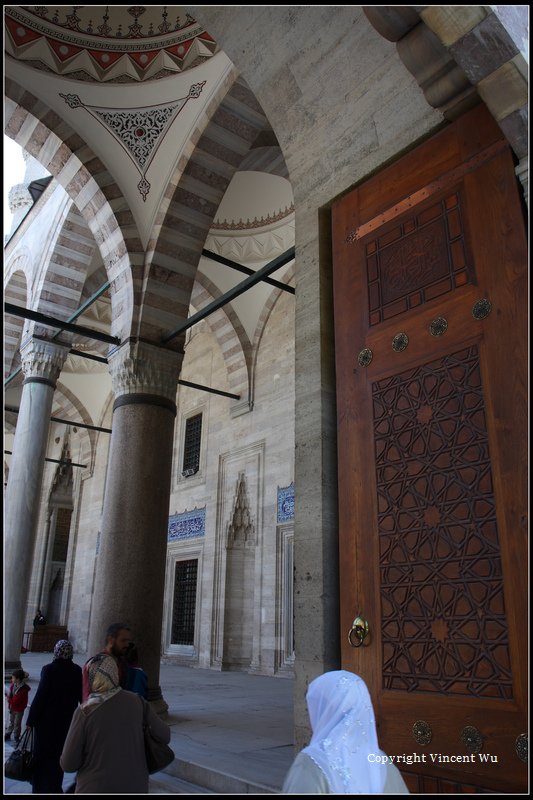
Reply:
x=67, y=406
x=47, y=137
x=266, y=159
x=95, y=281
x=229, y=334
x=93, y=284
x=15, y=292
x=61, y=284
x=193, y=196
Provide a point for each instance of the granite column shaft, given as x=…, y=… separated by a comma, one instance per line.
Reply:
x=130, y=572
x=41, y=364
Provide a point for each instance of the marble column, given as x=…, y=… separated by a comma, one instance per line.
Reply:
x=41, y=364
x=130, y=570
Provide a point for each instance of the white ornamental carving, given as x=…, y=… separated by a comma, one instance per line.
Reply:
x=42, y=359
x=241, y=530
x=141, y=368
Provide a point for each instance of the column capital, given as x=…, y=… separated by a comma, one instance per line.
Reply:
x=142, y=368
x=43, y=360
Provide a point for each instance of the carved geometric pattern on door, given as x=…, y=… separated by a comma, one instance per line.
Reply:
x=443, y=618
x=419, y=259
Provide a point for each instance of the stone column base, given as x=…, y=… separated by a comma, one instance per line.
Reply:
x=160, y=706
x=9, y=666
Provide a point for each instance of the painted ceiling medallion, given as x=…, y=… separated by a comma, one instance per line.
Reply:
x=139, y=132
x=111, y=44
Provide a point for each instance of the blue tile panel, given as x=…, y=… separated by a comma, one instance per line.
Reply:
x=286, y=503
x=187, y=525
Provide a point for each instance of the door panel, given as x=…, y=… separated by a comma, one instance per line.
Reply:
x=430, y=293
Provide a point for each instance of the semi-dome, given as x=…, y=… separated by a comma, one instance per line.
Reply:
x=110, y=44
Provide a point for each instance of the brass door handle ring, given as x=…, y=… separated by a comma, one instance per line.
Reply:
x=358, y=632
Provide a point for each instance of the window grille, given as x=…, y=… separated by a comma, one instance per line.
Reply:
x=191, y=447
x=184, y=606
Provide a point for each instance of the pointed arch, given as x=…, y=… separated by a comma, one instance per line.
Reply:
x=69, y=407
x=61, y=283
x=50, y=140
x=16, y=291
x=268, y=307
x=267, y=158
x=230, y=335
x=192, y=199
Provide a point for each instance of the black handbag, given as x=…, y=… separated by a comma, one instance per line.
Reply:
x=158, y=754
x=19, y=765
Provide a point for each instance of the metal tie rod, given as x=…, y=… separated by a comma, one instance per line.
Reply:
x=182, y=383
x=84, y=306
x=247, y=271
x=208, y=389
x=90, y=356
x=15, y=410
x=242, y=287
x=53, y=322
x=54, y=460
x=199, y=386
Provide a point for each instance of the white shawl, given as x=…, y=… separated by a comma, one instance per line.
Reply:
x=344, y=734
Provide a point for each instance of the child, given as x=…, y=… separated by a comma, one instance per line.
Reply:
x=17, y=700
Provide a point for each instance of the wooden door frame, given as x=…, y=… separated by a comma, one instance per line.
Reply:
x=437, y=156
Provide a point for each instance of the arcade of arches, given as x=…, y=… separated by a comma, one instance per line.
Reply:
x=198, y=461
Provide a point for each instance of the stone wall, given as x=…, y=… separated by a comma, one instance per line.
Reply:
x=259, y=446
x=341, y=104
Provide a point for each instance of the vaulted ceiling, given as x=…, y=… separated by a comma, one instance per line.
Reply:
x=137, y=84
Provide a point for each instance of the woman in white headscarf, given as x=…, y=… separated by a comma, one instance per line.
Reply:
x=344, y=736
x=105, y=742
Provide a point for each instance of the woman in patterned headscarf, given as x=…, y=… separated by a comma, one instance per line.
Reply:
x=50, y=714
x=343, y=756
x=105, y=743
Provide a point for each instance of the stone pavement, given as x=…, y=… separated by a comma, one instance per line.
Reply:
x=231, y=732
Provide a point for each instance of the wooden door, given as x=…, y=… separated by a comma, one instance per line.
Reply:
x=430, y=295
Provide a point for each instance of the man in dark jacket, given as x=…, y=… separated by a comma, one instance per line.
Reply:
x=39, y=619
x=57, y=697
x=117, y=642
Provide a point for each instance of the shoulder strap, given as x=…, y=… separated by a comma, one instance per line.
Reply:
x=26, y=740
